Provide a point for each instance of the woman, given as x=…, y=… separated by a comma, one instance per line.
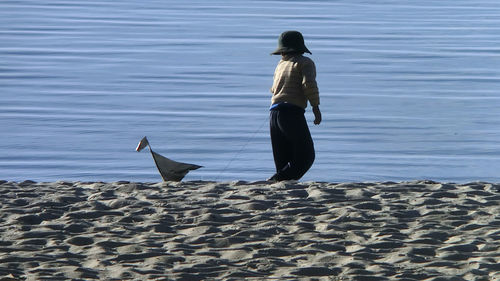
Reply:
x=293, y=87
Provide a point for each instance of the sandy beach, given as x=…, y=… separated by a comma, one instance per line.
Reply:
x=419, y=230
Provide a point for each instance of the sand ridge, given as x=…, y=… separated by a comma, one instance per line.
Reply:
x=420, y=230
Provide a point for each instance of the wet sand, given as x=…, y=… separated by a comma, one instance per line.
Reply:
x=419, y=230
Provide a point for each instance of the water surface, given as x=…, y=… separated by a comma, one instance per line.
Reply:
x=408, y=90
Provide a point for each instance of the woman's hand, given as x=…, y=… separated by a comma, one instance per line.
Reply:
x=317, y=115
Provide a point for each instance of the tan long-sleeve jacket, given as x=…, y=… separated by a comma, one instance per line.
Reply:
x=295, y=81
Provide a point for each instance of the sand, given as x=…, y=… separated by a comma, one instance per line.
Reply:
x=420, y=230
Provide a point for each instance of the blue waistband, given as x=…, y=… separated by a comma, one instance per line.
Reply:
x=276, y=105
x=283, y=105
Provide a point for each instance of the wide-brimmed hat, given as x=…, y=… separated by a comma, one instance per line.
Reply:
x=291, y=42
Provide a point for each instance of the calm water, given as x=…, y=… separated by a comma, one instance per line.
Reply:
x=409, y=89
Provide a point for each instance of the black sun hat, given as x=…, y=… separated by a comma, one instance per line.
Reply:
x=291, y=42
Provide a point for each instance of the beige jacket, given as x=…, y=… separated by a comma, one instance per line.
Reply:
x=295, y=81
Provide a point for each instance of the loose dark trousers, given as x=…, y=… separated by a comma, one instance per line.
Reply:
x=293, y=148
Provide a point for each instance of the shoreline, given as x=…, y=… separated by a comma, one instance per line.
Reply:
x=417, y=230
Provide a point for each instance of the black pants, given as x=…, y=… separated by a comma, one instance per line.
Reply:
x=293, y=148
